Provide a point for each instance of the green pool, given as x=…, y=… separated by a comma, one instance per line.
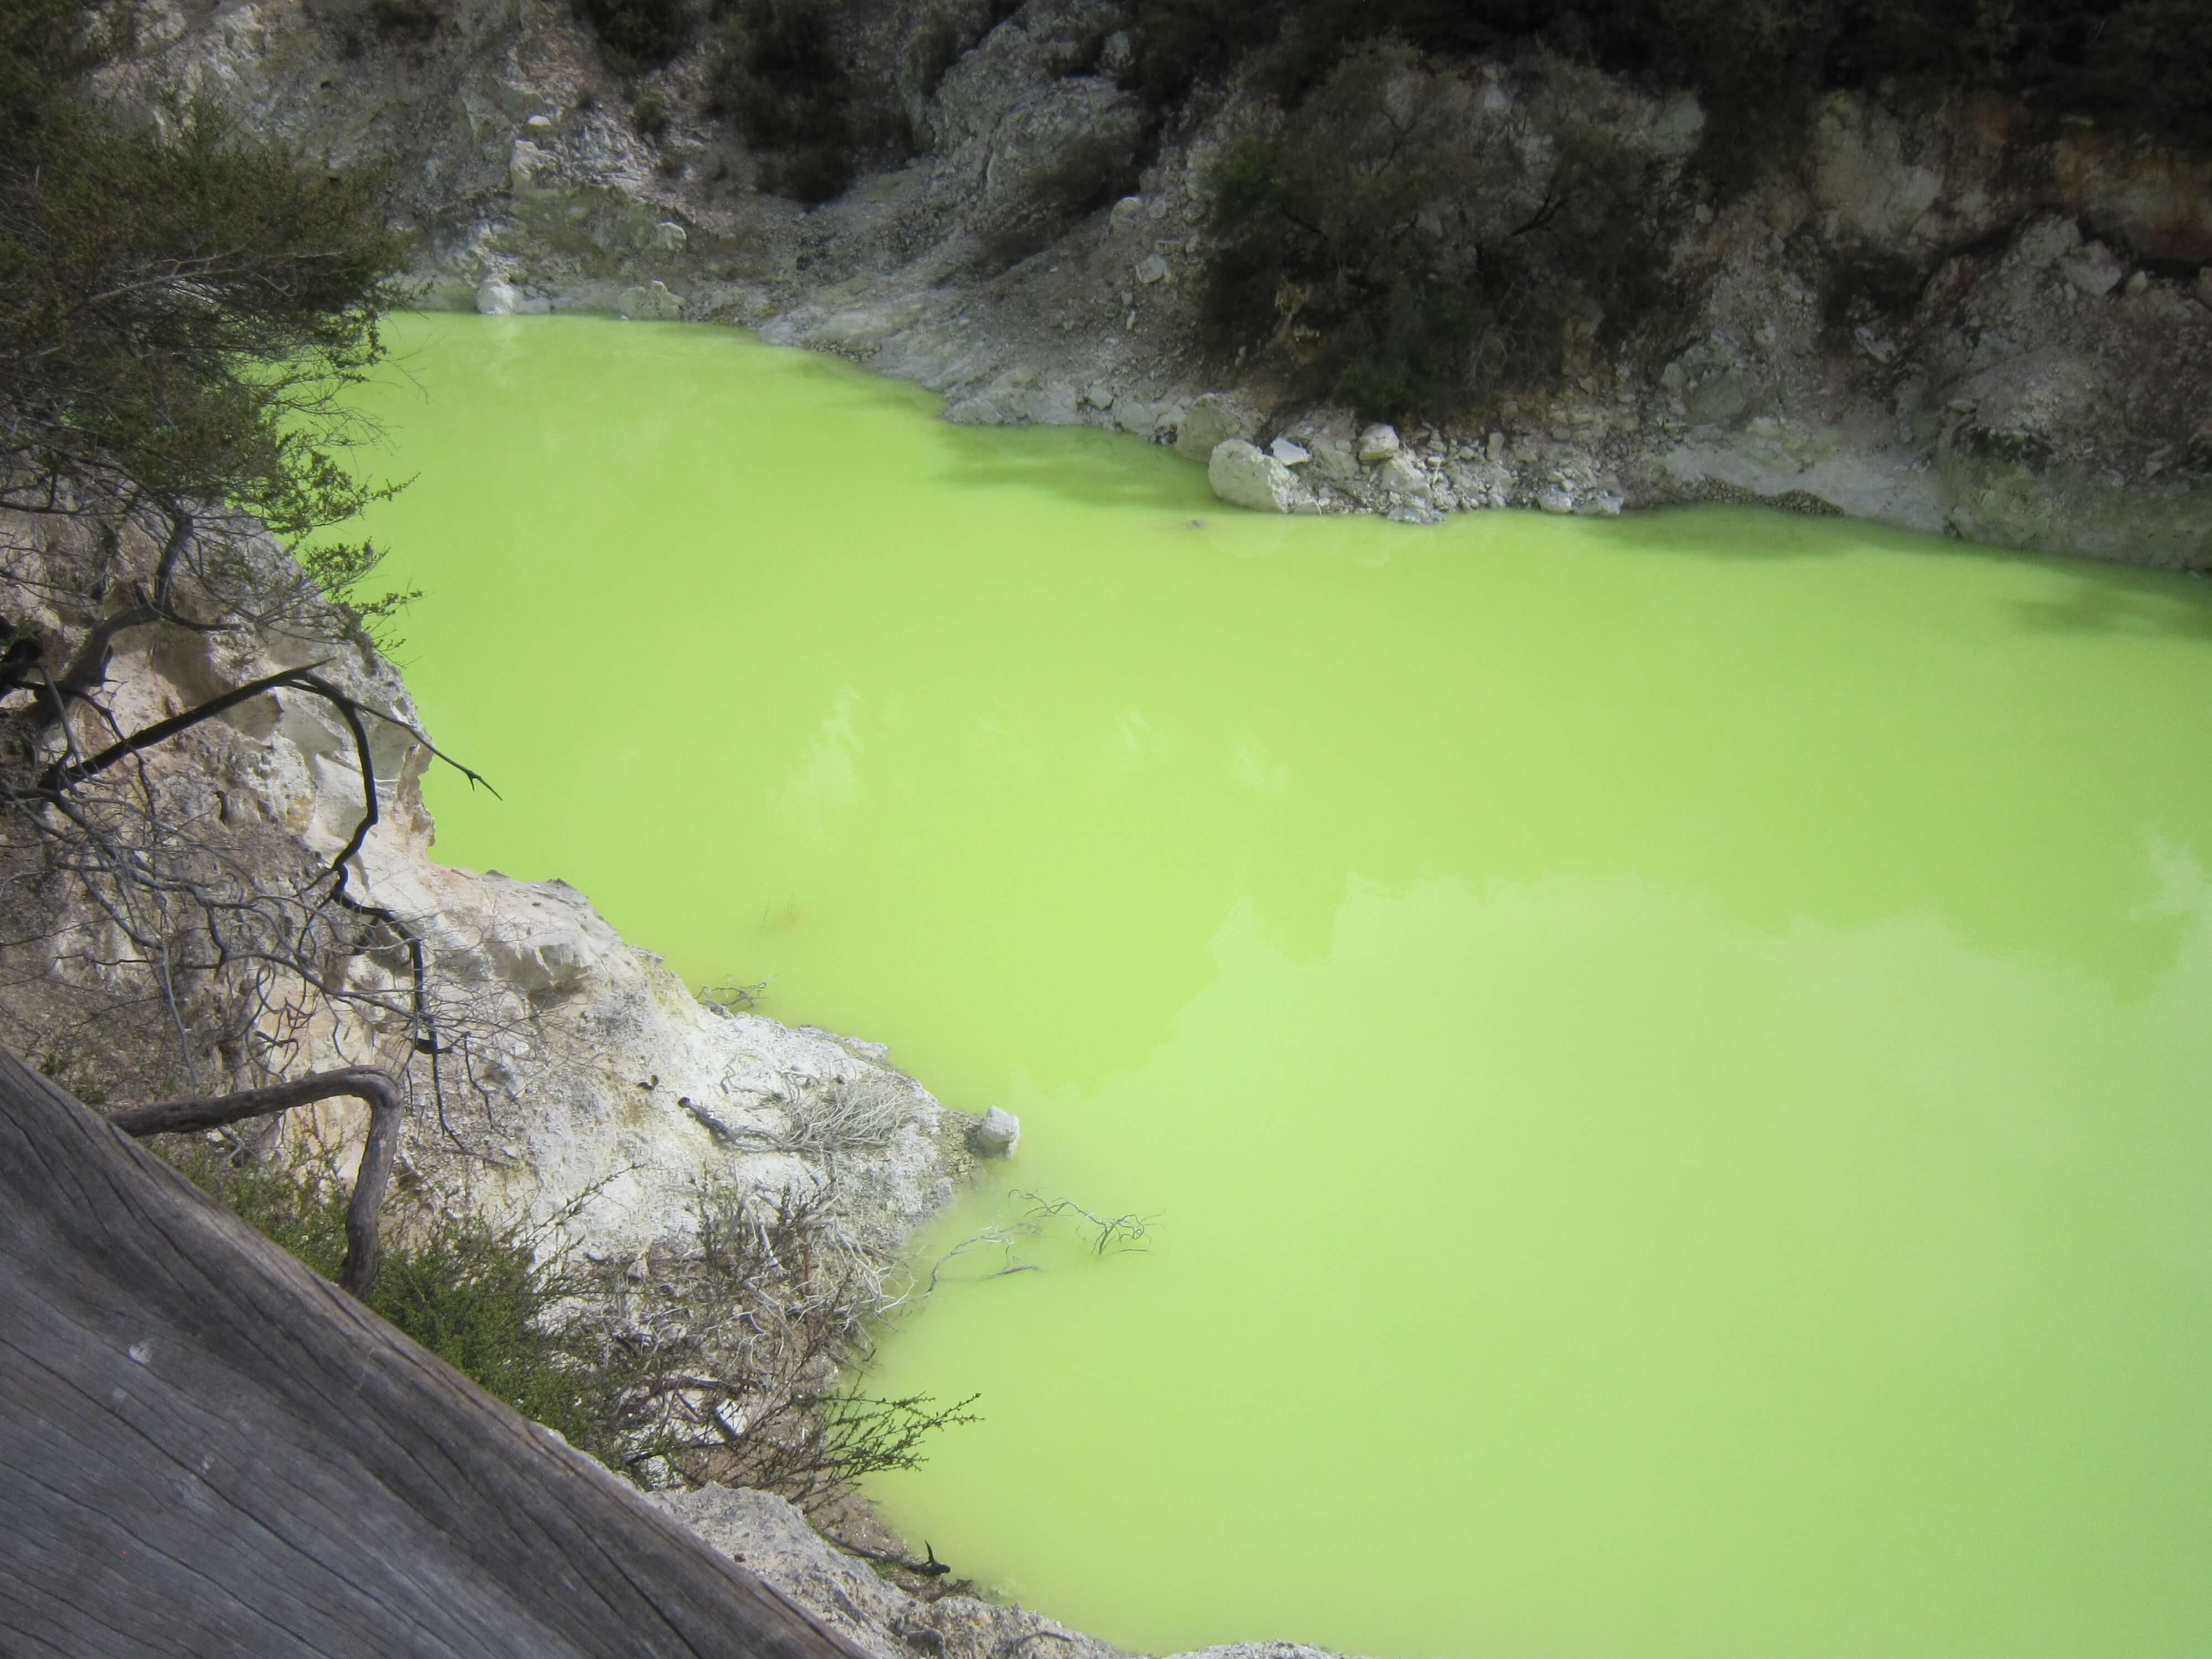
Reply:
x=1667, y=1060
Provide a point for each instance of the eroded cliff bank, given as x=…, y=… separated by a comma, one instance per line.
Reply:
x=1950, y=315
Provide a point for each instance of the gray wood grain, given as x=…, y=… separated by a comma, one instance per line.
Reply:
x=206, y=1449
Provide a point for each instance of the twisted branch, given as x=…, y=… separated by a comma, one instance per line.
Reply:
x=364, y=1251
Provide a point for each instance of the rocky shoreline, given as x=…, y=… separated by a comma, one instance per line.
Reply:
x=1955, y=320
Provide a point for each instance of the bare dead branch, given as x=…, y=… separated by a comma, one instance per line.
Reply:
x=378, y=1090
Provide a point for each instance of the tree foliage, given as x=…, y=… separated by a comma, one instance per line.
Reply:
x=178, y=303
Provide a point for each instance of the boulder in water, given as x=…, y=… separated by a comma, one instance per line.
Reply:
x=1244, y=477
x=495, y=298
x=998, y=1134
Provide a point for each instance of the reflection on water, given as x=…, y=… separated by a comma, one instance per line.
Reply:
x=1667, y=1056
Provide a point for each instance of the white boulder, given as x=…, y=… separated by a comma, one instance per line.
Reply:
x=1244, y=477
x=2094, y=268
x=1401, y=475
x=495, y=298
x=1378, y=443
x=650, y=302
x=998, y=1134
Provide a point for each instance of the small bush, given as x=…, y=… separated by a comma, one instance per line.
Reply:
x=476, y=1295
x=639, y=34
x=649, y=116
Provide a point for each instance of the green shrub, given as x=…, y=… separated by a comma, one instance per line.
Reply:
x=476, y=1295
x=649, y=115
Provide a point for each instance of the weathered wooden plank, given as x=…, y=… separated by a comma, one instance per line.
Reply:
x=205, y=1449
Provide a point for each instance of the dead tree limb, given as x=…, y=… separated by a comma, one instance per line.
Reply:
x=364, y=1236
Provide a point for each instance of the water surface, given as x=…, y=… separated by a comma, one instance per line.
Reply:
x=1667, y=1059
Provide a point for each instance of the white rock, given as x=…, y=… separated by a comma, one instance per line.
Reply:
x=2048, y=239
x=1128, y=213
x=1100, y=396
x=1333, y=461
x=495, y=298
x=1605, y=504
x=1290, y=453
x=1399, y=475
x=998, y=1134
x=652, y=303
x=2094, y=268
x=1151, y=269
x=670, y=237
x=1555, y=500
x=1242, y=475
x=1211, y=418
x=1378, y=443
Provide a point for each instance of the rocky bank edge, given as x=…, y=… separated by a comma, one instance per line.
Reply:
x=2042, y=379
x=772, y=1539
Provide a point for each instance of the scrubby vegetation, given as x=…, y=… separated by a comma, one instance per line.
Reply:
x=1414, y=258
x=719, y=1367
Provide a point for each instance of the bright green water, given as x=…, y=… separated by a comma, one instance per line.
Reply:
x=1669, y=1057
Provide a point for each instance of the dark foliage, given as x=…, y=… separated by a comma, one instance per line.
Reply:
x=412, y=21
x=639, y=34
x=1756, y=64
x=778, y=76
x=176, y=309
x=1414, y=262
